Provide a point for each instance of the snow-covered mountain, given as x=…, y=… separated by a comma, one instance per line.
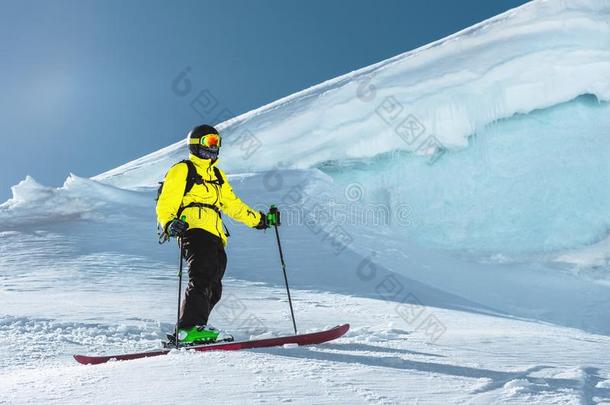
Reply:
x=452, y=203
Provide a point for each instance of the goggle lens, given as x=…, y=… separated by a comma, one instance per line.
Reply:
x=211, y=141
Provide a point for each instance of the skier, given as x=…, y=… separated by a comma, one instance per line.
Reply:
x=191, y=199
x=188, y=207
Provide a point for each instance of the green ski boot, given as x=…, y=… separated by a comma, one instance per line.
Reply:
x=202, y=335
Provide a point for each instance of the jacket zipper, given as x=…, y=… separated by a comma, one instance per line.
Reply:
x=215, y=187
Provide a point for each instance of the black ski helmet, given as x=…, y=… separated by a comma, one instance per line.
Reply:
x=199, y=150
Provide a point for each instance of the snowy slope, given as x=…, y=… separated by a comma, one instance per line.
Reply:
x=548, y=62
x=77, y=286
x=468, y=247
x=536, y=56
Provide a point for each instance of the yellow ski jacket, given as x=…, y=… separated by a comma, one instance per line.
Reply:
x=172, y=199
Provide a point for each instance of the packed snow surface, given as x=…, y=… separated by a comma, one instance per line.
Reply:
x=451, y=203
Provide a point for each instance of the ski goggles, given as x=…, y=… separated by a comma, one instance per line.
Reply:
x=209, y=141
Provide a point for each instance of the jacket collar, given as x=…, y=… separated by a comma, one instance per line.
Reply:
x=202, y=163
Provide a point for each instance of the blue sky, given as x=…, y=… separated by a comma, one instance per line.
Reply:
x=87, y=85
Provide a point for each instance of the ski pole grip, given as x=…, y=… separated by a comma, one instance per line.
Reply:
x=274, y=216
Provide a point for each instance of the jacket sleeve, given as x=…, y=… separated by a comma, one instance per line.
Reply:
x=171, y=194
x=234, y=207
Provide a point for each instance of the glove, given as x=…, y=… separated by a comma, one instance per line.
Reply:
x=270, y=219
x=263, y=223
x=177, y=227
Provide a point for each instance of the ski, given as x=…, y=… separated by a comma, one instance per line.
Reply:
x=301, y=340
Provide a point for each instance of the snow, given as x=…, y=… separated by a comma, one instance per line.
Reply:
x=534, y=57
x=374, y=362
x=79, y=197
x=472, y=269
x=596, y=255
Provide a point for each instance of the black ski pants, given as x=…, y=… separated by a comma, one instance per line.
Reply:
x=206, y=259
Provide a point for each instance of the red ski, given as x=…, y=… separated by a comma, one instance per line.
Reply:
x=301, y=340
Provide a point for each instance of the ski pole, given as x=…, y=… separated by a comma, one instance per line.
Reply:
x=275, y=217
x=181, y=248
